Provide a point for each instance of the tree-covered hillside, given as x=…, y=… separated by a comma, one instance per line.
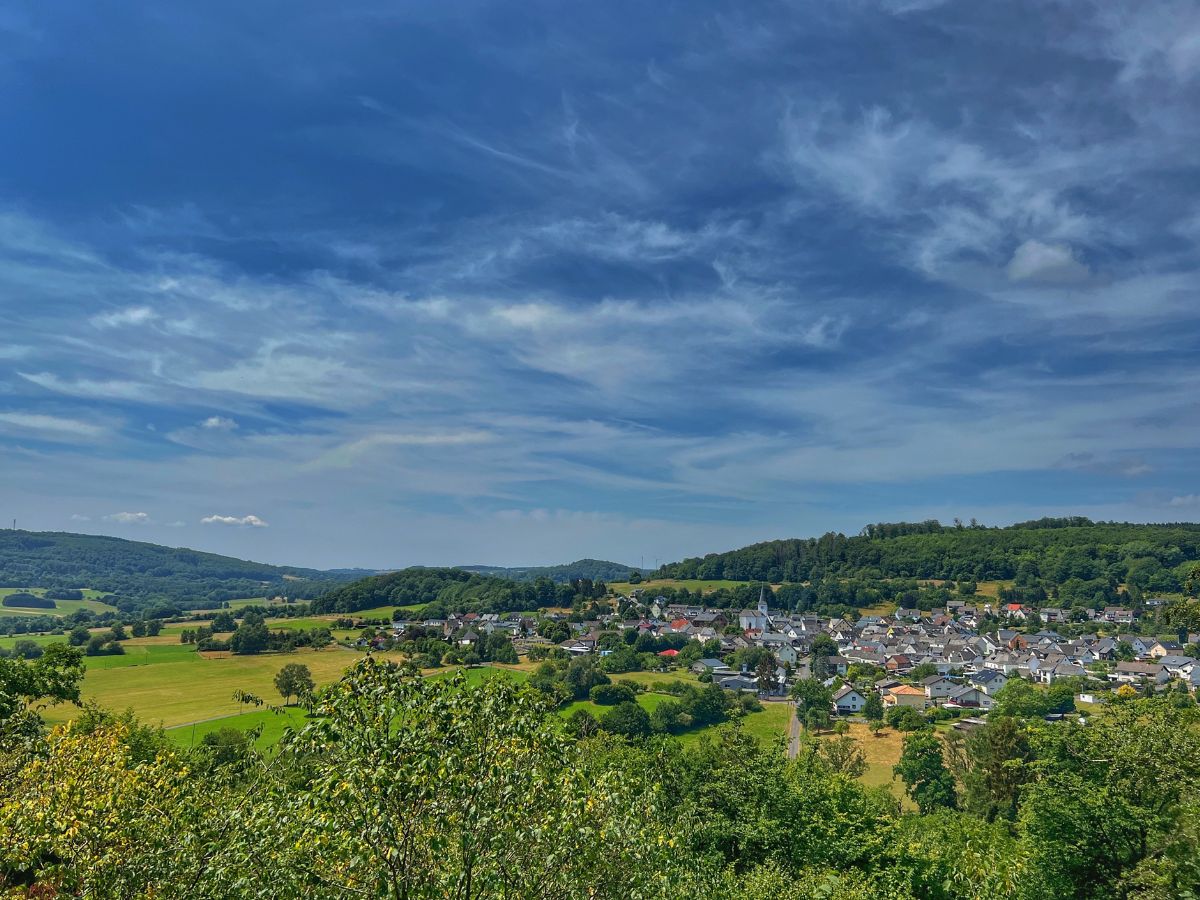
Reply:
x=138, y=573
x=593, y=569
x=454, y=590
x=1045, y=552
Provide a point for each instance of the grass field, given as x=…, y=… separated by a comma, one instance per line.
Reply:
x=692, y=584
x=249, y=601
x=61, y=607
x=385, y=612
x=273, y=723
x=173, y=685
x=40, y=639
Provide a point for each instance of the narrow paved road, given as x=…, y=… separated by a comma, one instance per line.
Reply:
x=793, y=747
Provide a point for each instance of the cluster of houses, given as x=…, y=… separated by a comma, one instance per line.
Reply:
x=969, y=666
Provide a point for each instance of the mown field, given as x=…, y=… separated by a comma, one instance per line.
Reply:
x=167, y=683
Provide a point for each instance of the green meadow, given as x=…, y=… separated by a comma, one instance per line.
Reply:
x=61, y=607
x=692, y=584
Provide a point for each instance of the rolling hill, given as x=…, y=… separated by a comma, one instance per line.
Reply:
x=1155, y=558
x=595, y=569
x=137, y=574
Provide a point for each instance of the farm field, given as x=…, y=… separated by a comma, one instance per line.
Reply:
x=176, y=685
x=61, y=607
x=274, y=721
x=40, y=639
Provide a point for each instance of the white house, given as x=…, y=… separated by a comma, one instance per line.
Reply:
x=848, y=701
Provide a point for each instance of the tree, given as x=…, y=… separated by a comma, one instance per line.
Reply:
x=996, y=768
x=294, y=680
x=811, y=696
x=923, y=671
x=79, y=636
x=765, y=672
x=223, y=621
x=873, y=708
x=250, y=638
x=816, y=719
x=611, y=694
x=1021, y=700
x=627, y=719
x=26, y=649
x=843, y=755
x=904, y=718
x=927, y=780
x=583, y=724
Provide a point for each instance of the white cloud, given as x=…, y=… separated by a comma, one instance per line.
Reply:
x=77, y=517
x=83, y=387
x=55, y=425
x=1185, y=500
x=251, y=521
x=129, y=518
x=219, y=423
x=349, y=453
x=132, y=315
x=1047, y=264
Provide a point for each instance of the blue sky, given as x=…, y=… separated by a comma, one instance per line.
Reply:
x=371, y=283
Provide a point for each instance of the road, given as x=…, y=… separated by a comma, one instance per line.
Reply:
x=793, y=747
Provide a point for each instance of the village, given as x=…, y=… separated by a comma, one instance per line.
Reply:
x=954, y=659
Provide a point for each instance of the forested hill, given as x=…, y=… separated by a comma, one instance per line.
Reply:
x=442, y=591
x=1054, y=551
x=595, y=569
x=138, y=573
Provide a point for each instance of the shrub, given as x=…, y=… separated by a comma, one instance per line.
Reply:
x=611, y=694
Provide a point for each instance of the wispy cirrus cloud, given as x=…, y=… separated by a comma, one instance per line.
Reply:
x=729, y=278
x=52, y=426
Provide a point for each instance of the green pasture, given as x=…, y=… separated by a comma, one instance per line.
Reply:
x=61, y=607
x=692, y=584
x=273, y=721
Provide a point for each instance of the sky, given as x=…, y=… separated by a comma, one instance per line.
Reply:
x=378, y=284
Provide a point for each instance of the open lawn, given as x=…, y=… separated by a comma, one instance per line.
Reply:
x=647, y=701
x=768, y=726
x=647, y=679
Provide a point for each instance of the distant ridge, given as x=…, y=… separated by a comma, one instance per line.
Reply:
x=1050, y=551
x=138, y=573
x=595, y=569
